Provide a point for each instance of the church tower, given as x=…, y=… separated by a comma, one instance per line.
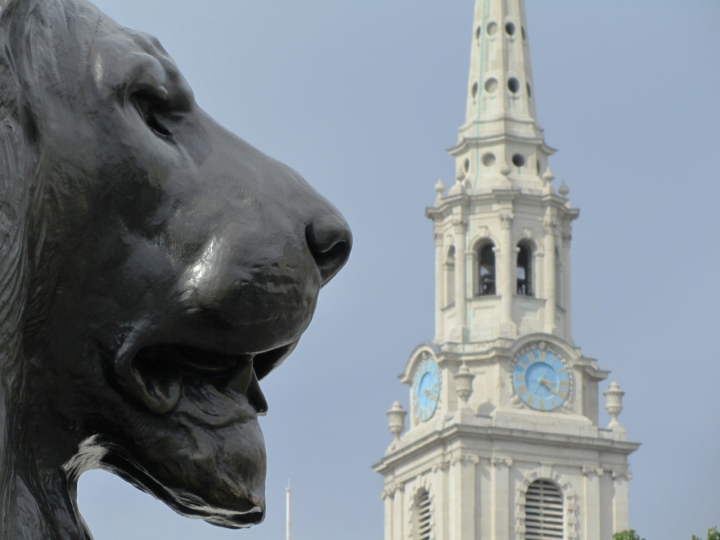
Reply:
x=504, y=441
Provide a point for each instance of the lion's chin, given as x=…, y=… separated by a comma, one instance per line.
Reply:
x=246, y=511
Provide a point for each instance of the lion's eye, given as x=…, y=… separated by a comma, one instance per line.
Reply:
x=150, y=108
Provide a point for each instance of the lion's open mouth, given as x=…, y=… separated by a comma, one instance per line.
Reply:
x=191, y=361
x=169, y=365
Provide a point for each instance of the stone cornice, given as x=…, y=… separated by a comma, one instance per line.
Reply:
x=437, y=213
x=474, y=142
x=440, y=439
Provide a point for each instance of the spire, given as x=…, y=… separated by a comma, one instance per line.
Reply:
x=500, y=135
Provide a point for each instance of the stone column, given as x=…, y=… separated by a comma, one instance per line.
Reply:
x=506, y=275
x=550, y=268
x=462, y=498
x=501, y=498
x=621, y=520
x=591, y=525
x=439, y=288
x=460, y=282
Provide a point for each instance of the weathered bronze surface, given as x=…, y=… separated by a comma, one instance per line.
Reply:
x=153, y=268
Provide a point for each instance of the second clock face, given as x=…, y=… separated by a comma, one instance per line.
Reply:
x=426, y=390
x=541, y=380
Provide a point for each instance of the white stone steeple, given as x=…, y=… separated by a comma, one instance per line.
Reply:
x=502, y=232
x=504, y=440
x=500, y=143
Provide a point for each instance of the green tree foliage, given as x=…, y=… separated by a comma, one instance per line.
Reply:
x=628, y=535
x=712, y=534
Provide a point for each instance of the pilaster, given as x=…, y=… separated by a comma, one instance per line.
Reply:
x=462, y=497
x=461, y=329
x=621, y=521
x=439, y=287
x=567, y=291
x=501, y=497
x=399, y=512
x=591, y=507
x=550, y=261
x=389, y=502
x=505, y=269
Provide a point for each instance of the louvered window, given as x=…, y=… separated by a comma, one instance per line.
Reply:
x=543, y=511
x=423, y=516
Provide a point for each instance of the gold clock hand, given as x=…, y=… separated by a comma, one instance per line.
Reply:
x=547, y=385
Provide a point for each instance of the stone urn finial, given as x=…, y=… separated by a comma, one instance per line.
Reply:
x=613, y=406
x=459, y=187
x=463, y=384
x=396, y=420
x=439, y=189
x=564, y=189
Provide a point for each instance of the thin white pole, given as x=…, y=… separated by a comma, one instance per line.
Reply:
x=287, y=514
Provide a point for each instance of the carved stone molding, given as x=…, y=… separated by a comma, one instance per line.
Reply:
x=588, y=471
x=500, y=461
x=627, y=475
x=391, y=489
x=506, y=219
x=460, y=226
x=465, y=458
x=550, y=226
x=570, y=501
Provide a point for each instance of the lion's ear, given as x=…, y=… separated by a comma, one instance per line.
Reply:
x=156, y=385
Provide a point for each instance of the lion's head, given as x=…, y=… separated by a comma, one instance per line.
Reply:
x=153, y=268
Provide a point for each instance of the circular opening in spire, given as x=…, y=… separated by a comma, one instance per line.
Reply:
x=524, y=35
x=510, y=29
x=478, y=33
x=529, y=90
x=466, y=165
x=474, y=90
x=492, y=29
x=513, y=85
x=488, y=159
x=491, y=85
x=518, y=160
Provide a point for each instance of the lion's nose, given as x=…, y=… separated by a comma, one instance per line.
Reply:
x=330, y=241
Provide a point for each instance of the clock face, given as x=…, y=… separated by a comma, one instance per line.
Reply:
x=541, y=380
x=426, y=390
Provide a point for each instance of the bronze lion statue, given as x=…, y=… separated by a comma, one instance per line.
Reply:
x=153, y=268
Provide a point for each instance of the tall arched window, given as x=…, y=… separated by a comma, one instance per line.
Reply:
x=450, y=277
x=544, y=517
x=422, y=516
x=524, y=270
x=486, y=269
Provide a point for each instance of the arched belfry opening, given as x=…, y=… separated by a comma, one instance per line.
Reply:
x=524, y=269
x=450, y=277
x=544, y=511
x=486, y=282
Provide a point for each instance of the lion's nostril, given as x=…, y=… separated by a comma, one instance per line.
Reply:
x=330, y=241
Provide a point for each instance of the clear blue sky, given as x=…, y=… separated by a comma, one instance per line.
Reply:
x=362, y=98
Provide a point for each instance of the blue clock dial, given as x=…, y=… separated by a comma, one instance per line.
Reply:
x=541, y=380
x=426, y=390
